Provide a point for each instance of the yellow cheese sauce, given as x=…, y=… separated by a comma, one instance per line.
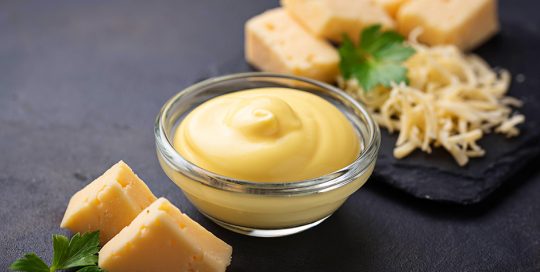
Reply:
x=268, y=135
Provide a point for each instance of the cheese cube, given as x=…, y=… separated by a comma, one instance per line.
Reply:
x=277, y=43
x=391, y=6
x=108, y=204
x=465, y=24
x=331, y=18
x=161, y=238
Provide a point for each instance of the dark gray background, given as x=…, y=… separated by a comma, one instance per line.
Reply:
x=81, y=83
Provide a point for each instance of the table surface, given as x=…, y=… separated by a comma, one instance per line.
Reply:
x=82, y=81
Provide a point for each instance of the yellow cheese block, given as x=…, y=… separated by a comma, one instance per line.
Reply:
x=465, y=24
x=277, y=43
x=108, y=204
x=391, y=6
x=163, y=239
x=331, y=18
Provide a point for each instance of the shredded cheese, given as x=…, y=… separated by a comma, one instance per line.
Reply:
x=452, y=100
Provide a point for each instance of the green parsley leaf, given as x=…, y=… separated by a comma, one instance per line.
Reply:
x=79, y=252
x=376, y=60
x=29, y=263
x=93, y=268
x=60, y=246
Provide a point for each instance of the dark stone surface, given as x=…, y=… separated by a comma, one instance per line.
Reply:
x=81, y=83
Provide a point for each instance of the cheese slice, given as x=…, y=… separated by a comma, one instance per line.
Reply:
x=330, y=19
x=277, y=43
x=108, y=204
x=465, y=24
x=163, y=239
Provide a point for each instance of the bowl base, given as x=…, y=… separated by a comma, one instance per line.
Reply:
x=266, y=232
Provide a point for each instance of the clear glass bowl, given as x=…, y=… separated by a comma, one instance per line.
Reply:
x=255, y=208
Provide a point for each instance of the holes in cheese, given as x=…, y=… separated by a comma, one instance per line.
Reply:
x=277, y=43
x=108, y=204
x=391, y=6
x=162, y=238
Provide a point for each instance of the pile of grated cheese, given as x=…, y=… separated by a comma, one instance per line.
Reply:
x=452, y=100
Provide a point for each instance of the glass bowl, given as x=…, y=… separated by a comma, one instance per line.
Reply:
x=257, y=208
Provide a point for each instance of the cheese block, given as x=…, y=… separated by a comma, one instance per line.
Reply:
x=161, y=238
x=331, y=18
x=465, y=24
x=108, y=204
x=277, y=43
x=391, y=6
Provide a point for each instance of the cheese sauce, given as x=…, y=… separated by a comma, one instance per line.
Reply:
x=268, y=135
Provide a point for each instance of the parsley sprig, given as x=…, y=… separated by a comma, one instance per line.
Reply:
x=79, y=252
x=376, y=60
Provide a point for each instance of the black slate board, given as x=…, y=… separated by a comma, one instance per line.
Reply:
x=436, y=176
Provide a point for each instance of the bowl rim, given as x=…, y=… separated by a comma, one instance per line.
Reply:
x=336, y=179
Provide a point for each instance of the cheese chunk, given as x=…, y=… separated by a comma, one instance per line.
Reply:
x=331, y=18
x=465, y=24
x=277, y=43
x=391, y=6
x=162, y=239
x=108, y=204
